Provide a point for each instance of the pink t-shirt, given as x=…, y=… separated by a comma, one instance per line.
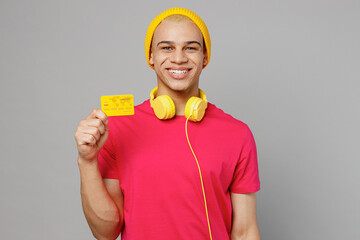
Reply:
x=159, y=178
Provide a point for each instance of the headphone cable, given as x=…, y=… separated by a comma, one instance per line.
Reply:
x=201, y=179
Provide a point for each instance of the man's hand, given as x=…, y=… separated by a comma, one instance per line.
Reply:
x=91, y=135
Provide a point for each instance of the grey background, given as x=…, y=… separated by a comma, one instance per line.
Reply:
x=289, y=69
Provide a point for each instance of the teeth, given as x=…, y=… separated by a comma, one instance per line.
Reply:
x=178, y=71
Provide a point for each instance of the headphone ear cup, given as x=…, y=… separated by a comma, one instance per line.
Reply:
x=195, y=108
x=164, y=107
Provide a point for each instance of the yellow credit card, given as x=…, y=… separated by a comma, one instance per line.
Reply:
x=117, y=105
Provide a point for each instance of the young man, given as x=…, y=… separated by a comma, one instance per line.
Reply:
x=152, y=178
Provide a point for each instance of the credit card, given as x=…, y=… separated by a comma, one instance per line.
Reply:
x=117, y=105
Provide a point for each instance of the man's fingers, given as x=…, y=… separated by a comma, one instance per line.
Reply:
x=84, y=139
x=94, y=131
x=98, y=114
x=91, y=134
x=97, y=123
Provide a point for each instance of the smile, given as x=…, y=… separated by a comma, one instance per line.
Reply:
x=173, y=71
x=178, y=73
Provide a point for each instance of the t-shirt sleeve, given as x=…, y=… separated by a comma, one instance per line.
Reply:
x=107, y=159
x=246, y=174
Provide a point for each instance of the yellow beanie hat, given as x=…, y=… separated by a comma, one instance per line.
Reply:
x=174, y=11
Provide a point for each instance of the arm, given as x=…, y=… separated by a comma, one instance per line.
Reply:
x=102, y=200
x=244, y=223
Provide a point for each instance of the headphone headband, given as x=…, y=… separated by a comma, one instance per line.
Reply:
x=154, y=92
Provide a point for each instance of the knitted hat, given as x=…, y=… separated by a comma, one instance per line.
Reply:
x=174, y=11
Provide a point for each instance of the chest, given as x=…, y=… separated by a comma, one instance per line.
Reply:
x=163, y=155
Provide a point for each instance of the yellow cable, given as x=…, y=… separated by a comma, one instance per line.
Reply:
x=201, y=180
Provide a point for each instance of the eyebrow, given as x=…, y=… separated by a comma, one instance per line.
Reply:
x=171, y=42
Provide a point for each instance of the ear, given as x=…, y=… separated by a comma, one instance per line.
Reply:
x=205, y=60
x=151, y=60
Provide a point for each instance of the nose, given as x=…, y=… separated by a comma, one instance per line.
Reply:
x=178, y=56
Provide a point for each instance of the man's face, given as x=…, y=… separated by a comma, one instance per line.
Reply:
x=178, y=56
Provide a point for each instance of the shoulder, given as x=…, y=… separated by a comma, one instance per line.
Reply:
x=228, y=130
x=221, y=119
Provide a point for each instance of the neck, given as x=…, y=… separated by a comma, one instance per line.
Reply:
x=180, y=98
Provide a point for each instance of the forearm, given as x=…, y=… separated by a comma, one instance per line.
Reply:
x=244, y=222
x=101, y=212
x=249, y=234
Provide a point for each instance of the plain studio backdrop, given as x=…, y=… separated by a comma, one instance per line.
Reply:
x=289, y=69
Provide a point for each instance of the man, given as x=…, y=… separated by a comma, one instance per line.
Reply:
x=148, y=177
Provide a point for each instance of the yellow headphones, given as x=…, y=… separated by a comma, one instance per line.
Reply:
x=164, y=106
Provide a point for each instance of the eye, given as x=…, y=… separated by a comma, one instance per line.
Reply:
x=166, y=48
x=192, y=48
